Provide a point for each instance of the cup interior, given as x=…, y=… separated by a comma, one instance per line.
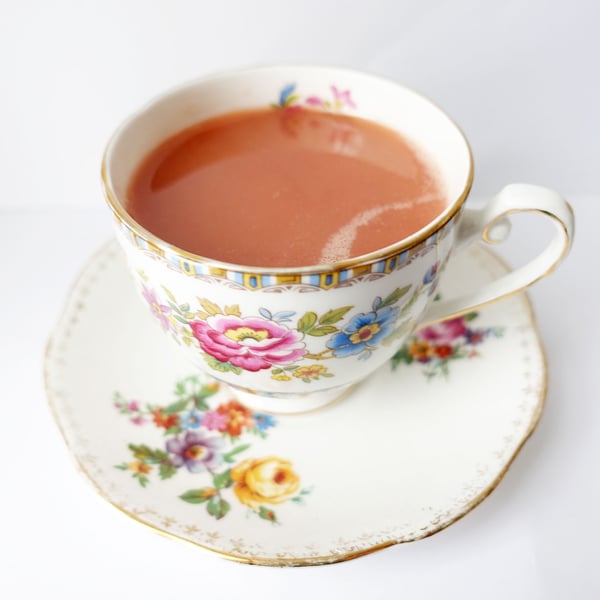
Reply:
x=419, y=120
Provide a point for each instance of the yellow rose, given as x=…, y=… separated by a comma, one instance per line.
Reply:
x=267, y=480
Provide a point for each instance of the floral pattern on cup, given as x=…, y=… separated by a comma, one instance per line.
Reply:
x=251, y=343
x=339, y=99
x=207, y=441
x=280, y=342
x=437, y=346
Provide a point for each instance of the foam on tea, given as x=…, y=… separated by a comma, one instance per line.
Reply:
x=284, y=188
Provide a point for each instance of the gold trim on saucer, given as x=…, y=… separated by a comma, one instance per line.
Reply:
x=75, y=305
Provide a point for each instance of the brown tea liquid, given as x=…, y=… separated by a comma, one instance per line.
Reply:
x=284, y=188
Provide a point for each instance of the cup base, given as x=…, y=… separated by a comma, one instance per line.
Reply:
x=292, y=404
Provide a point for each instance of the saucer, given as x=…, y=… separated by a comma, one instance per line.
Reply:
x=410, y=451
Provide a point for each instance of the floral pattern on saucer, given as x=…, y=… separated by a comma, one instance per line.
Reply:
x=368, y=491
x=437, y=346
x=206, y=441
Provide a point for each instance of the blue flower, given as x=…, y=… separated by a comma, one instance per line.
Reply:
x=191, y=420
x=431, y=273
x=263, y=422
x=364, y=331
x=432, y=277
x=285, y=93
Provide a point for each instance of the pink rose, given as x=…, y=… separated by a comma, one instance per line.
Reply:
x=445, y=332
x=251, y=344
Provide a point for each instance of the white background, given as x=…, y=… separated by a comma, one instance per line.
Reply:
x=521, y=79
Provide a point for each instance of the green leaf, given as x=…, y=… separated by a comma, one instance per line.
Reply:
x=394, y=296
x=198, y=496
x=208, y=390
x=143, y=480
x=210, y=307
x=291, y=99
x=335, y=315
x=267, y=514
x=180, y=319
x=122, y=467
x=173, y=430
x=410, y=303
x=322, y=330
x=176, y=407
x=471, y=316
x=402, y=356
x=223, y=480
x=149, y=455
x=230, y=456
x=179, y=388
x=399, y=332
x=174, y=308
x=306, y=323
x=217, y=507
x=223, y=367
x=166, y=470
x=200, y=403
x=184, y=307
x=169, y=294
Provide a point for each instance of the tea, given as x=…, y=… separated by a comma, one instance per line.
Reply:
x=284, y=188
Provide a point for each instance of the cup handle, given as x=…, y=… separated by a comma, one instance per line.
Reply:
x=492, y=225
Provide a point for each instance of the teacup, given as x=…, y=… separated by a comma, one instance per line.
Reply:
x=294, y=339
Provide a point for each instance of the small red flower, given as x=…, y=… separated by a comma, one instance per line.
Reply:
x=238, y=417
x=163, y=420
x=443, y=351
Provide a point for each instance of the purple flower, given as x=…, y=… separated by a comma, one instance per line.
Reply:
x=195, y=451
x=160, y=311
x=474, y=336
